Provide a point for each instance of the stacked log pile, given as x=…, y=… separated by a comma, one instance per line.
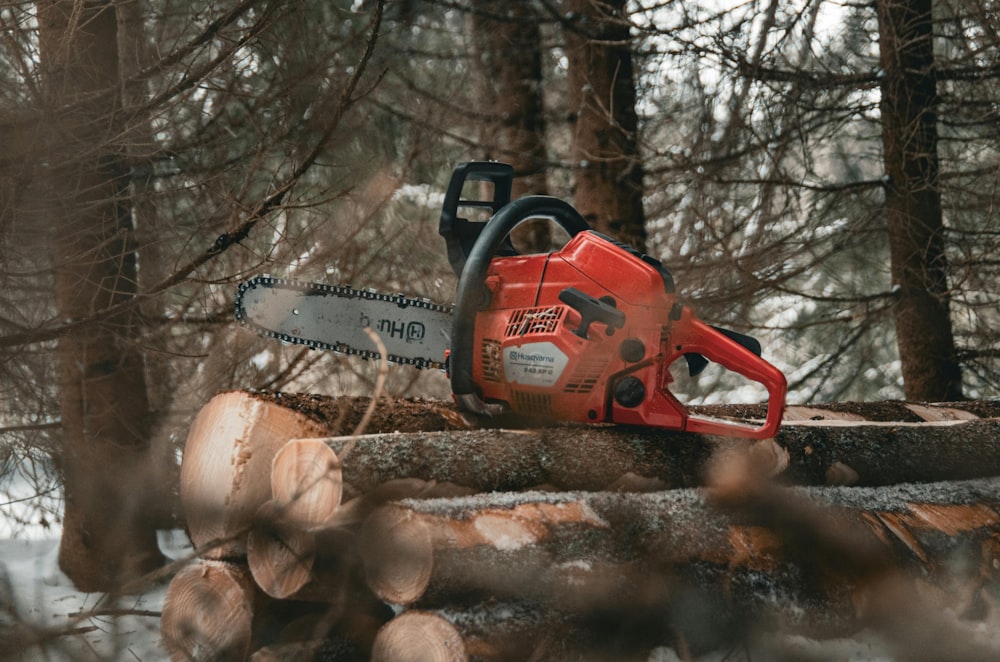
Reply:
x=429, y=538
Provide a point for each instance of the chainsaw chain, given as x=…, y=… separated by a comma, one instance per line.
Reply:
x=342, y=291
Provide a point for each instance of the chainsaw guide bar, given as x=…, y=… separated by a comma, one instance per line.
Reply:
x=334, y=317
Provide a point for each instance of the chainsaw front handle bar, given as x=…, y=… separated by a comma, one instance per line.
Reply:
x=473, y=296
x=696, y=336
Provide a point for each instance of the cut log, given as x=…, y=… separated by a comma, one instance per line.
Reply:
x=282, y=555
x=419, y=637
x=491, y=632
x=208, y=612
x=226, y=467
x=306, y=483
x=599, y=457
x=645, y=551
x=306, y=491
x=497, y=632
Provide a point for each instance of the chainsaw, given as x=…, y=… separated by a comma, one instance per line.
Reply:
x=586, y=333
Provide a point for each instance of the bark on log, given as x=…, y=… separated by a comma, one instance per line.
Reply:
x=881, y=411
x=647, y=551
x=598, y=457
x=208, y=613
x=892, y=453
x=226, y=468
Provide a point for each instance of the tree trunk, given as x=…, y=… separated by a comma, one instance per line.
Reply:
x=924, y=336
x=507, y=45
x=608, y=170
x=108, y=532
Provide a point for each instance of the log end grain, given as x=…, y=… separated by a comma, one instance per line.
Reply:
x=416, y=636
x=306, y=480
x=398, y=555
x=208, y=613
x=280, y=555
x=226, y=468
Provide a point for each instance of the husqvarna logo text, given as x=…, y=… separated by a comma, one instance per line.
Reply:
x=534, y=364
x=518, y=355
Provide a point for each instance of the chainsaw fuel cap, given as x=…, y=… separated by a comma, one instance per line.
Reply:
x=632, y=350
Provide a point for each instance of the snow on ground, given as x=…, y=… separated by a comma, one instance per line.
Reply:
x=34, y=591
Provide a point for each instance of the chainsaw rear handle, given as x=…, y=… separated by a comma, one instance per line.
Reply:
x=715, y=345
x=473, y=296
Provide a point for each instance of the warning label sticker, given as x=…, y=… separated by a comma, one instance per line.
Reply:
x=534, y=364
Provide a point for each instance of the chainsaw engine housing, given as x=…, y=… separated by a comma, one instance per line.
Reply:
x=586, y=333
x=579, y=334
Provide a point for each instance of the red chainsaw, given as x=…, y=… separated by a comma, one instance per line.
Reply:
x=586, y=333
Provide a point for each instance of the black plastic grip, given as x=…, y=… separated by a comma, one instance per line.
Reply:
x=592, y=310
x=460, y=234
x=470, y=298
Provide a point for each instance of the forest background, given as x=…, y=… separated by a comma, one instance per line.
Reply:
x=822, y=175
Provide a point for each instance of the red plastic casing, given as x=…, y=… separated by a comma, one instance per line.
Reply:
x=529, y=357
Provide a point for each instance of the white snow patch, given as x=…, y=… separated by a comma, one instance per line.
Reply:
x=36, y=593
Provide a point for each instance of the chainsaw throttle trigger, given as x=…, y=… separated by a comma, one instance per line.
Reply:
x=592, y=310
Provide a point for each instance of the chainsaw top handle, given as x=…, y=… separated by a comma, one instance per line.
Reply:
x=460, y=234
x=473, y=296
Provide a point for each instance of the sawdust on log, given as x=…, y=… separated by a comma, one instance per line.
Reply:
x=341, y=415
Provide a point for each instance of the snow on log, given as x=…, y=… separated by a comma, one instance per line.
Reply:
x=226, y=467
x=208, y=612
